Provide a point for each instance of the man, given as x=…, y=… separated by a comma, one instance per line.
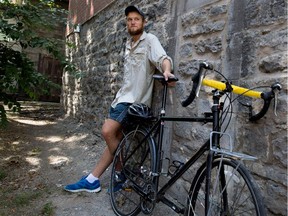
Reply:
x=143, y=54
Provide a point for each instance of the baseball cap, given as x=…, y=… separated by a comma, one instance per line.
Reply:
x=133, y=8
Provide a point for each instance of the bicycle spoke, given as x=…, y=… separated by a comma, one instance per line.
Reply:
x=232, y=193
x=136, y=163
x=128, y=197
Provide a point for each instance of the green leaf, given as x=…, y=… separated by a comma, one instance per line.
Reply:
x=27, y=25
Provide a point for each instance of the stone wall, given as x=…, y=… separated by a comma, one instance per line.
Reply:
x=246, y=40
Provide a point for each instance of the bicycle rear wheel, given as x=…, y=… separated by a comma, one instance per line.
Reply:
x=233, y=191
x=133, y=163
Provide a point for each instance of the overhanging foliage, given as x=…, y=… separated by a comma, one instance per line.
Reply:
x=22, y=27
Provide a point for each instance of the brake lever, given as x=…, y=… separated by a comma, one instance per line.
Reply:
x=200, y=84
x=207, y=66
x=276, y=89
x=276, y=102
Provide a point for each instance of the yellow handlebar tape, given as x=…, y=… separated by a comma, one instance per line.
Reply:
x=236, y=89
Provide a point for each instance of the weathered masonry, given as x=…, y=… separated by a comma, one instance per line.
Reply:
x=245, y=39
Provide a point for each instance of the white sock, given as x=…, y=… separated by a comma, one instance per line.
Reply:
x=91, y=178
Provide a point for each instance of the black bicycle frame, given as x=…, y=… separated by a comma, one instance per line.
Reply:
x=214, y=118
x=159, y=124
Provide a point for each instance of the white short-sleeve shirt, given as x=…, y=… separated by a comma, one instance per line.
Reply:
x=141, y=59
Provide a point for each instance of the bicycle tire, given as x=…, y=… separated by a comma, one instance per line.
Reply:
x=238, y=189
x=124, y=198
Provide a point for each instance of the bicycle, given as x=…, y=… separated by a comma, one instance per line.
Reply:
x=222, y=185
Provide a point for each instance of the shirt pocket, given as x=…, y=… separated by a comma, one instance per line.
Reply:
x=140, y=51
x=139, y=55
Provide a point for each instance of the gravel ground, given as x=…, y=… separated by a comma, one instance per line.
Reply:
x=40, y=152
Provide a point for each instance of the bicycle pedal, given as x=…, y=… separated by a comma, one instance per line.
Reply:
x=154, y=174
x=127, y=189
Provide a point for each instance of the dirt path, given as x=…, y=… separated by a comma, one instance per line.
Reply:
x=40, y=152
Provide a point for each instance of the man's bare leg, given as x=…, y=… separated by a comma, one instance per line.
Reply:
x=112, y=134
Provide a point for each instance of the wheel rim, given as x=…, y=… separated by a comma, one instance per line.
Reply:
x=241, y=197
x=136, y=164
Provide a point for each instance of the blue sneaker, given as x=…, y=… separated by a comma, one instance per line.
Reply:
x=84, y=185
x=120, y=177
x=120, y=180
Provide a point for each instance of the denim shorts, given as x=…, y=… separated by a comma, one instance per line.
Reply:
x=119, y=113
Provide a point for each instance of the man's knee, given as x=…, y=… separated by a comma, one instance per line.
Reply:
x=106, y=131
x=110, y=129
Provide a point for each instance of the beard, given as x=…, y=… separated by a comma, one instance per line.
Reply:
x=135, y=32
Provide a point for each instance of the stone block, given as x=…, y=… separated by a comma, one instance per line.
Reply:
x=213, y=45
x=186, y=50
x=207, y=28
x=274, y=63
x=217, y=10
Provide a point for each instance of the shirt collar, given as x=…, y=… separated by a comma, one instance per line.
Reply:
x=143, y=36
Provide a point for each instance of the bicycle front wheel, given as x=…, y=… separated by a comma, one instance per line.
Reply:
x=233, y=191
x=133, y=163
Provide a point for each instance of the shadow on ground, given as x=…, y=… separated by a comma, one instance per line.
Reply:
x=40, y=152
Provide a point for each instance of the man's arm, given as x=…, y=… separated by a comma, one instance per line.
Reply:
x=167, y=69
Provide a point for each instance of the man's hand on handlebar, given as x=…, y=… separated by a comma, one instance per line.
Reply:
x=167, y=74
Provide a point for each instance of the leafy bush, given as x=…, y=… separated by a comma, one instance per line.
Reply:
x=26, y=26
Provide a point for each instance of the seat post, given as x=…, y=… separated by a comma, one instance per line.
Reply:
x=164, y=96
x=161, y=132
